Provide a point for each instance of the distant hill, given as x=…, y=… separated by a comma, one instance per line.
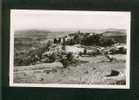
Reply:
x=39, y=34
x=88, y=30
x=54, y=34
x=114, y=32
x=31, y=33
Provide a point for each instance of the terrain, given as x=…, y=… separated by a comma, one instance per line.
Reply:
x=85, y=64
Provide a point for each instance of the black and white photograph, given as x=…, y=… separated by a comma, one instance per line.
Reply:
x=69, y=48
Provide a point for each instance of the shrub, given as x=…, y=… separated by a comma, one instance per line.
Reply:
x=106, y=42
x=121, y=82
x=52, y=57
x=85, y=51
x=80, y=53
x=67, y=58
x=22, y=61
x=91, y=40
x=32, y=56
x=120, y=50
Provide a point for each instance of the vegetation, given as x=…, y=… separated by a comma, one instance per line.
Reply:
x=93, y=55
x=120, y=50
x=30, y=51
x=32, y=56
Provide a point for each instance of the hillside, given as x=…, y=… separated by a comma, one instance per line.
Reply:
x=35, y=32
x=39, y=34
x=114, y=33
x=31, y=33
x=81, y=58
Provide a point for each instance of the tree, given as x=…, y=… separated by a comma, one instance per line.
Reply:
x=59, y=40
x=91, y=40
x=106, y=42
x=85, y=51
x=55, y=40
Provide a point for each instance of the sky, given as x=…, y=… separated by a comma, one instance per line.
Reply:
x=64, y=20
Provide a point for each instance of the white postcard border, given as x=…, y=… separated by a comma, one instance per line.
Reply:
x=11, y=57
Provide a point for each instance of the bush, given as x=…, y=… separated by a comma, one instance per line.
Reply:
x=85, y=51
x=22, y=61
x=120, y=50
x=66, y=59
x=91, y=40
x=52, y=58
x=121, y=82
x=32, y=56
x=106, y=42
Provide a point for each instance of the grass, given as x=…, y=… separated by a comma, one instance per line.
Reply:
x=84, y=73
x=88, y=69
